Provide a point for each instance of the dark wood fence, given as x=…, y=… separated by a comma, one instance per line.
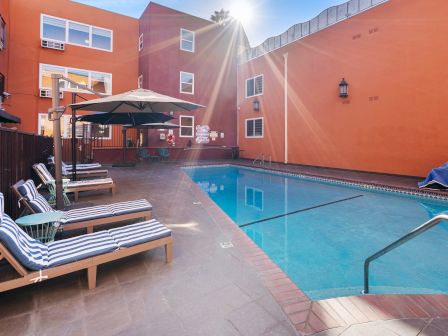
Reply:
x=18, y=152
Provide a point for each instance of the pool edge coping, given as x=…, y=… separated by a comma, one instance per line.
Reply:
x=307, y=316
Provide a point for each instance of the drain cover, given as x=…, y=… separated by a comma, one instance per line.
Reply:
x=226, y=244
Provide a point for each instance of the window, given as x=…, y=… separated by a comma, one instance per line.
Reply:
x=140, y=42
x=2, y=34
x=101, y=82
x=186, y=40
x=2, y=84
x=140, y=82
x=98, y=81
x=186, y=127
x=254, y=197
x=79, y=34
x=186, y=82
x=45, y=127
x=66, y=31
x=254, y=86
x=254, y=128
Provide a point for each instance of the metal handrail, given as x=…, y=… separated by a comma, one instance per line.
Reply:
x=259, y=157
x=414, y=233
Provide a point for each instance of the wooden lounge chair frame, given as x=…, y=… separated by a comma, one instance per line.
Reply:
x=91, y=223
x=76, y=190
x=88, y=174
x=90, y=264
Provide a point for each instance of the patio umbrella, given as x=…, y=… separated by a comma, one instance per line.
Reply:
x=131, y=119
x=158, y=125
x=137, y=101
x=5, y=117
x=127, y=120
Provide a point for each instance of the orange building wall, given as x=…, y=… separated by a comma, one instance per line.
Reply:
x=394, y=120
x=4, y=55
x=26, y=54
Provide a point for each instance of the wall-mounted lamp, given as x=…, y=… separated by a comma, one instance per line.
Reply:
x=171, y=113
x=256, y=105
x=343, y=88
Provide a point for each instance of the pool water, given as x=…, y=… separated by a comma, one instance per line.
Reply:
x=330, y=229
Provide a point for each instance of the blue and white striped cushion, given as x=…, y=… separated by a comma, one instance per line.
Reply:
x=40, y=204
x=139, y=233
x=83, y=183
x=44, y=173
x=77, y=248
x=82, y=214
x=122, y=208
x=28, y=190
x=2, y=206
x=30, y=252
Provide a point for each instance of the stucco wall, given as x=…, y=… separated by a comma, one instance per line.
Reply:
x=394, y=59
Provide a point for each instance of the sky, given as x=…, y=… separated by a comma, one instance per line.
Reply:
x=268, y=17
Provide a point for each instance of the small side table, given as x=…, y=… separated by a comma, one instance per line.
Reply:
x=41, y=226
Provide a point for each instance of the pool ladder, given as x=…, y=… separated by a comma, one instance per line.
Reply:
x=261, y=157
x=414, y=233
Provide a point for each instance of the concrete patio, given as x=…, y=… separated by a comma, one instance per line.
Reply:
x=207, y=290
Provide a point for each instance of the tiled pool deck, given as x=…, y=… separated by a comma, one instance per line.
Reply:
x=207, y=290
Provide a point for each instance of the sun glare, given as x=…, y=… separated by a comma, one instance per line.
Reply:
x=242, y=11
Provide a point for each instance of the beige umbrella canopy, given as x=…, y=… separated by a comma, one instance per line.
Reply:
x=136, y=101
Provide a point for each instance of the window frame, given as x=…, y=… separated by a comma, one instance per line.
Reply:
x=254, y=136
x=262, y=86
x=66, y=69
x=255, y=191
x=193, y=42
x=67, y=126
x=180, y=82
x=180, y=126
x=3, y=36
x=67, y=22
x=140, y=42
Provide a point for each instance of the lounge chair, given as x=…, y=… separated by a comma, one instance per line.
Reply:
x=89, y=217
x=79, y=166
x=72, y=186
x=36, y=262
x=82, y=171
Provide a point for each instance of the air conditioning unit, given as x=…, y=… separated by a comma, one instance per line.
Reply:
x=52, y=45
x=46, y=93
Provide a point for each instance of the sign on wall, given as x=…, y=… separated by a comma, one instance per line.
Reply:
x=202, y=134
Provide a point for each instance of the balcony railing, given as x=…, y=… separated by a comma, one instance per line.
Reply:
x=328, y=17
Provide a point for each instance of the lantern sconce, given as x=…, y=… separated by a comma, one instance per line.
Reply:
x=256, y=105
x=343, y=88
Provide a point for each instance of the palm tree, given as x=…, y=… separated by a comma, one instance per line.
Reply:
x=220, y=17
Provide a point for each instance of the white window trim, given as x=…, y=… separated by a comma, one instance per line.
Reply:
x=180, y=128
x=262, y=87
x=67, y=30
x=254, y=136
x=66, y=121
x=246, y=188
x=182, y=39
x=140, y=42
x=180, y=82
x=66, y=75
x=140, y=82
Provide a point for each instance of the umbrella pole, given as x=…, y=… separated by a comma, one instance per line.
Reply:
x=57, y=141
x=74, y=138
x=123, y=131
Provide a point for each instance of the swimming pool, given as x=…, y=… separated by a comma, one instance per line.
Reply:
x=320, y=233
